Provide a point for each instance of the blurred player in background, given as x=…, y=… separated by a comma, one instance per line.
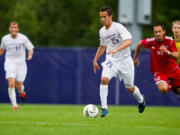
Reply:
x=15, y=45
x=115, y=39
x=163, y=60
x=176, y=37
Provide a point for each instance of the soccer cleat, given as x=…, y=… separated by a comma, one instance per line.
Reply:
x=104, y=112
x=142, y=105
x=15, y=107
x=23, y=95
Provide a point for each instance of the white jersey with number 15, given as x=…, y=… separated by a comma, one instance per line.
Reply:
x=113, y=38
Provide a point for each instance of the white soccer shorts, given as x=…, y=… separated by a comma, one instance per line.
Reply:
x=123, y=69
x=17, y=70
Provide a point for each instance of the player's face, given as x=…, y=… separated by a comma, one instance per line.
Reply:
x=159, y=33
x=176, y=29
x=105, y=18
x=13, y=28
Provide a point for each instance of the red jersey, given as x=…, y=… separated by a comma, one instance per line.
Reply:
x=160, y=62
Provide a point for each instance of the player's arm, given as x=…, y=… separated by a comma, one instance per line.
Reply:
x=99, y=53
x=174, y=55
x=138, y=49
x=29, y=46
x=30, y=54
x=2, y=47
x=124, y=45
x=1, y=51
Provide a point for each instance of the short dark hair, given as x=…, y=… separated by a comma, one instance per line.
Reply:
x=159, y=24
x=108, y=9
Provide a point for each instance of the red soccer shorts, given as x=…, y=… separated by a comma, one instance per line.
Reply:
x=172, y=78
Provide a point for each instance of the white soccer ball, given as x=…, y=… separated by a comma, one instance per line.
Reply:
x=90, y=111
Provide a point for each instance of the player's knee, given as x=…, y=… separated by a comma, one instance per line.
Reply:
x=163, y=90
x=11, y=85
x=131, y=89
x=104, y=80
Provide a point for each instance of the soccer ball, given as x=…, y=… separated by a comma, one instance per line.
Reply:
x=90, y=111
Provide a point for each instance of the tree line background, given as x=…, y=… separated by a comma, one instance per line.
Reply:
x=73, y=22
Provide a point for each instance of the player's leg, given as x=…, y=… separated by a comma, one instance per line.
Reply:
x=178, y=92
x=20, y=88
x=136, y=93
x=21, y=75
x=10, y=69
x=107, y=74
x=128, y=78
x=161, y=82
x=163, y=87
x=12, y=93
x=175, y=81
x=104, y=91
x=129, y=84
x=103, y=95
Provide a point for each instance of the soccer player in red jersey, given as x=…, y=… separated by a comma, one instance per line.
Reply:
x=163, y=60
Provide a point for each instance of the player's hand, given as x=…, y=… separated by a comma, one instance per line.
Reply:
x=111, y=52
x=1, y=51
x=96, y=66
x=30, y=54
x=136, y=61
x=162, y=48
x=29, y=58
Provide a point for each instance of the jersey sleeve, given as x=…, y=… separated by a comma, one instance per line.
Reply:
x=2, y=44
x=145, y=44
x=173, y=47
x=124, y=33
x=28, y=44
x=102, y=42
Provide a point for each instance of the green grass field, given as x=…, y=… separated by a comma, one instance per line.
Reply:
x=32, y=119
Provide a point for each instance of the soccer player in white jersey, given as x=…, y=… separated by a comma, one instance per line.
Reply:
x=15, y=45
x=115, y=39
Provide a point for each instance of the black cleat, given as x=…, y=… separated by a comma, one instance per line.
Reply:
x=142, y=105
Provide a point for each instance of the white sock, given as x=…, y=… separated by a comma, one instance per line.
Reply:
x=137, y=94
x=12, y=96
x=22, y=88
x=103, y=95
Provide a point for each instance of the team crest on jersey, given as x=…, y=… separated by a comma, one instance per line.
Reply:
x=165, y=46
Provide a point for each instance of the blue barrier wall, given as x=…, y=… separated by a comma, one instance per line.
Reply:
x=65, y=76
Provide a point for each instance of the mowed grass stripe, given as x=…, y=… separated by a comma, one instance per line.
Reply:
x=69, y=120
